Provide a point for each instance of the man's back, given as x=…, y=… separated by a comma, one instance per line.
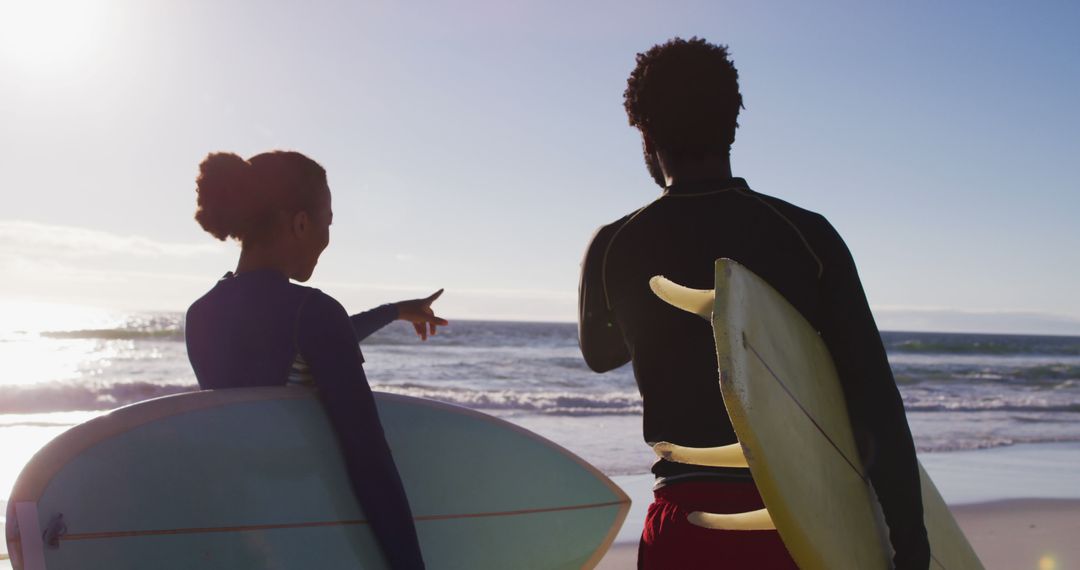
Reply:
x=680, y=236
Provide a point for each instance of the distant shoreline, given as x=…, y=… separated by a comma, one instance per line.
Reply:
x=890, y=320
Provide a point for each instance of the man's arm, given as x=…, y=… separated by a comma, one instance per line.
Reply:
x=599, y=335
x=873, y=402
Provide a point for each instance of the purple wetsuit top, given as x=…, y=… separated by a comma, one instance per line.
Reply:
x=250, y=329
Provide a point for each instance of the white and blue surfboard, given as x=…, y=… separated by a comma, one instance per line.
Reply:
x=253, y=478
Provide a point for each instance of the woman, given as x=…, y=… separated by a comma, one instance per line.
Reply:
x=256, y=328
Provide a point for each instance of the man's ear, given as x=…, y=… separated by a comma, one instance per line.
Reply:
x=300, y=223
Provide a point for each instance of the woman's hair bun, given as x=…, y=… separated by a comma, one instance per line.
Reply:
x=242, y=199
x=223, y=189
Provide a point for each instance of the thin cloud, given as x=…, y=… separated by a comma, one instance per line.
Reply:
x=46, y=240
x=487, y=293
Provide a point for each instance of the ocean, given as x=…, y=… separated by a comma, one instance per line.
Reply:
x=962, y=391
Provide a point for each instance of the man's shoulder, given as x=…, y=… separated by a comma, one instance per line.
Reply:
x=604, y=233
x=795, y=213
x=810, y=223
x=615, y=225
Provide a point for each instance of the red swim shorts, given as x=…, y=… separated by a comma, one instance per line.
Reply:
x=670, y=542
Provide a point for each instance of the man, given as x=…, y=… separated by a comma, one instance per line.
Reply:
x=684, y=98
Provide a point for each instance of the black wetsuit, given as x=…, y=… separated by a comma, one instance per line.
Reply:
x=250, y=329
x=680, y=236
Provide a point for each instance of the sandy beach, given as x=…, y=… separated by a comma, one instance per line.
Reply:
x=1019, y=534
x=1018, y=505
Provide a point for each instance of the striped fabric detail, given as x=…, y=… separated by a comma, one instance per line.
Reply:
x=300, y=373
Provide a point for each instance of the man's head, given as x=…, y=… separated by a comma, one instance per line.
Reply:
x=684, y=97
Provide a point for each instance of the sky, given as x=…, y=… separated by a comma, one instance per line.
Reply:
x=476, y=145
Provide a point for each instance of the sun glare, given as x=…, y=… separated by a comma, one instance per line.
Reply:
x=34, y=317
x=29, y=359
x=43, y=35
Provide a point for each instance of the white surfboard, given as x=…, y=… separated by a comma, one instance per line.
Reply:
x=253, y=479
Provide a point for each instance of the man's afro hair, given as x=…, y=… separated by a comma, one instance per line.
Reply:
x=684, y=94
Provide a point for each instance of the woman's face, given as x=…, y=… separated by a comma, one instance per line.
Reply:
x=315, y=238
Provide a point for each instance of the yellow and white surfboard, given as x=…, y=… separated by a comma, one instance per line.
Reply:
x=783, y=395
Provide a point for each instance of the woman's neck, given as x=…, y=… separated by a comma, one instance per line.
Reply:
x=257, y=258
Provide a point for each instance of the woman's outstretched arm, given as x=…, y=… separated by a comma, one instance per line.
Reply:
x=367, y=323
x=416, y=311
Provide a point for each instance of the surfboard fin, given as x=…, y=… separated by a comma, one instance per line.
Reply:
x=723, y=456
x=752, y=520
x=697, y=301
